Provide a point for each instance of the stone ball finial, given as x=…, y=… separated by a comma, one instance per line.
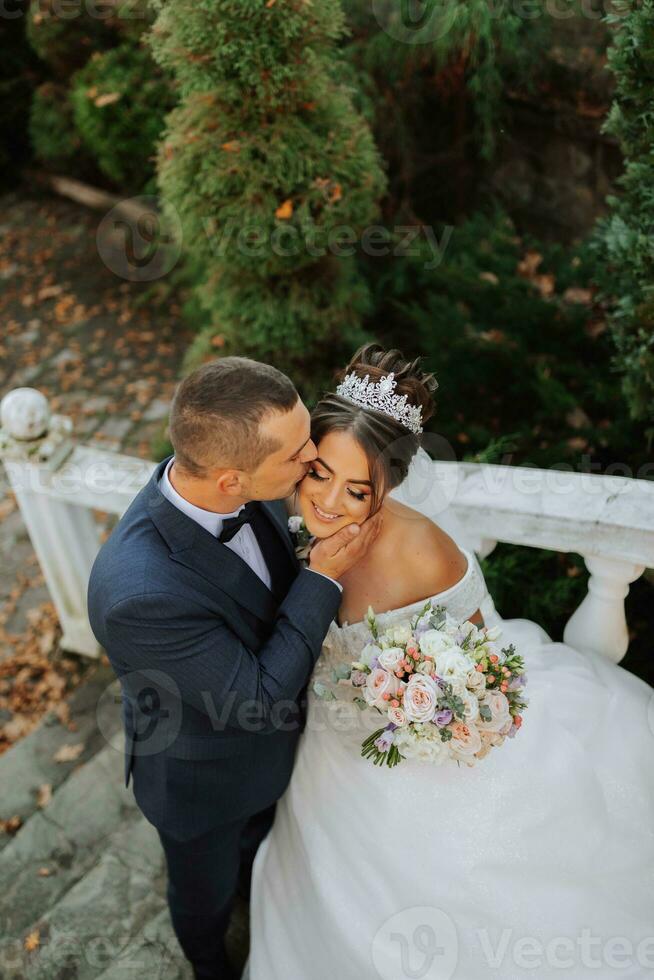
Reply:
x=25, y=414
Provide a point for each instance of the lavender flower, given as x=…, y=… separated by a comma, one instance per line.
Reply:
x=443, y=717
x=385, y=740
x=358, y=678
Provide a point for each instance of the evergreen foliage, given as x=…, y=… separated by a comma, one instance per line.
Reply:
x=119, y=103
x=264, y=158
x=624, y=238
x=66, y=43
x=468, y=48
x=55, y=140
x=519, y=344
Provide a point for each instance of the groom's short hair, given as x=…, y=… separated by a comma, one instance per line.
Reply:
x=217, y=410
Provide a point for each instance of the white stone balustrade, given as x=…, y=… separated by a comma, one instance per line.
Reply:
x=609, y=520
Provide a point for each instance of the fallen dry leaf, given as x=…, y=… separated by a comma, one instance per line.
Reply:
x=49, y=291
x=544, y=284
x=11, y=825
x=576, y=294
x=68, y=753
x=44, y=872
x=336, y=193
x=529, y=263
x=108, y=99
x=285, y=210
x=44, y=795
x=33, y=941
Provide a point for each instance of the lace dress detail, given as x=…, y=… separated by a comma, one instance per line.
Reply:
x=461, y=600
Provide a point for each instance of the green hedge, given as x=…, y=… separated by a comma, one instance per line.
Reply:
x=120, y=99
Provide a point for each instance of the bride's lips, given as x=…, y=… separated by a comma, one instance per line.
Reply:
x=323, y=516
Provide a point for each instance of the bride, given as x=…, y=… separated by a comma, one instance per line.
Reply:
x=536, y=862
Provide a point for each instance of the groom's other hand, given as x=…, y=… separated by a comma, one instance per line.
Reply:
x=336, y=555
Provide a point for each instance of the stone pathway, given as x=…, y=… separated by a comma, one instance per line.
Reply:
x=82, y=876
x=101, y=350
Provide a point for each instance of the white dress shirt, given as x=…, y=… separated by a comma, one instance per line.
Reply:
x=244, y=543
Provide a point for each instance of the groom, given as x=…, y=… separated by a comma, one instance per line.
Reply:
x=214, y=628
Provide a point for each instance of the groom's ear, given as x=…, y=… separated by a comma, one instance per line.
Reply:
x=230, y=482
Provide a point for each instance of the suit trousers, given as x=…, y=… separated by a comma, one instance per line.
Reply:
x=204, y=874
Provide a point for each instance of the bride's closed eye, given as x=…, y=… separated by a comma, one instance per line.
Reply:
x=316, y=476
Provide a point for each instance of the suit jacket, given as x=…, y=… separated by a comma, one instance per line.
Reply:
x=211, y=666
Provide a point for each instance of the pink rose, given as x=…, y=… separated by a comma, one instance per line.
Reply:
x=378, y=683
x=500, y=712
x=420, y=698
x=466, y=740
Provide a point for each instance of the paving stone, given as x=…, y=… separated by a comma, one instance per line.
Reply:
x=65, y=356
x=156, y=410
x=154, y=953
x=97, y=403
x=30, y=763
x=68, y=838
x=97, y=917
x=115, y=427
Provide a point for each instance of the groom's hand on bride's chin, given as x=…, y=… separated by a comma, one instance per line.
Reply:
x=336, y=555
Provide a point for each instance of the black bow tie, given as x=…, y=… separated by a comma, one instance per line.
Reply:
x=232, y=525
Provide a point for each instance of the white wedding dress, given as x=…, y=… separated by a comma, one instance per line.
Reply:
x=538, y=862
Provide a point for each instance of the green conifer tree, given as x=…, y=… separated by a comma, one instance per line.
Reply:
x=624, y=238
x=272, y=173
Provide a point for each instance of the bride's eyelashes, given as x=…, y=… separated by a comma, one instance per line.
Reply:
x=316, y=476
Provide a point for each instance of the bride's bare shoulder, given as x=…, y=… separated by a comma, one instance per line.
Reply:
x=423, y=553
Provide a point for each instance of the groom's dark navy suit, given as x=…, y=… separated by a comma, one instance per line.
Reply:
x=213, y=666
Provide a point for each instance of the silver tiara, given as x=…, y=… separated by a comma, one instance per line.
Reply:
x=378, y=395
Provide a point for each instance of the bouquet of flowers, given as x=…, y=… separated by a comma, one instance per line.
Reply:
x=445, y=688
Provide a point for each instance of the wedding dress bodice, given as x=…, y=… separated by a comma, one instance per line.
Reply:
x=461, y=600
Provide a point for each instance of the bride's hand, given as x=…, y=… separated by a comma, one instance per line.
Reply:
x=336, y=555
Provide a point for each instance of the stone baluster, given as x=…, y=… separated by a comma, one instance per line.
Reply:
x=33, y=445
x=599, y=624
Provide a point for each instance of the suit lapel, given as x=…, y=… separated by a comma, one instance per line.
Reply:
x=276, y=511
x=194, y=547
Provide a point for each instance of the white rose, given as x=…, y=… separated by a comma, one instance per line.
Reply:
x=434, y=642
x=453, y=663
x=471, y=706
x=369, y=652
x=426, y=667
x=500, y=712
x=400, y=634
x=476, y=680
x=390, y=658
x=397, y=716
x=493, y=633
x=295, y=522
x=420, y=697
x=466, y=740
x=469, y=698
x=379, y=683
x=424, y=748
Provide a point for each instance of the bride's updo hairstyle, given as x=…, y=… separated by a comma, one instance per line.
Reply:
x=389, y=446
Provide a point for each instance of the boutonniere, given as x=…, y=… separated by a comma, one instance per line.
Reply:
x=302, y=540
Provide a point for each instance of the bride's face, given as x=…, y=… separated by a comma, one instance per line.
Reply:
x=336, y=490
